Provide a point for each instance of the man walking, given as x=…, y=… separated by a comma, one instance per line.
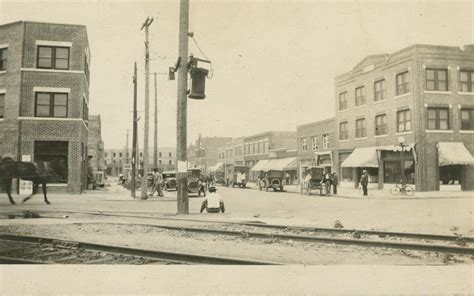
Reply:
x=157, y=183
x=364, y=181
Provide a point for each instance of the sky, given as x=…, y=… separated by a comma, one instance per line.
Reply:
x=274, y=62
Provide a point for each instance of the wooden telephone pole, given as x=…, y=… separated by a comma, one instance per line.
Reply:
x=181, y=149
x=134, y=137
x=146, y=25
x=155, y=133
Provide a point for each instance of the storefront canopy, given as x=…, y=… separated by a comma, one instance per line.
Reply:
x=259, y=165
x=453, y=153
x=284, y=164
x=362, y=157
x=217, y=167
x=323, y=158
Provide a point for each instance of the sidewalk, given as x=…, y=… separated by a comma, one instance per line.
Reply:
x=348, y=191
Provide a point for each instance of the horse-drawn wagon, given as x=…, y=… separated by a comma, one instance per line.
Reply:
x=320, y=181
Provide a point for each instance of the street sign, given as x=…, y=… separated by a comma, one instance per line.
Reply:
x=26, y=187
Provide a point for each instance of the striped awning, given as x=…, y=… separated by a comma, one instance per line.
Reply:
x=453, y=153
x=217, y=167
x=365, y=157
x=259, y=166
x=284, y=164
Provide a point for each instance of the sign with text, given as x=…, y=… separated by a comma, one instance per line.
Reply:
x=26, y=187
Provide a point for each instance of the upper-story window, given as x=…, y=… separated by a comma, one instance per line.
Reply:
x=169, y=154
x=467, y=119
x=51, y=104
x=3, y=59
x=403, y=84
x=314, y=142
x=466, y=80
x=53, y=57
x=120, y=154
x=169, y=162
x=141, y=154
x=266, y=145
x=159, y=154
x=438, y=118
x=343, y=101
x=304, y=144
x=326, y=141
x=403, y=121
x=360, y=96
x=360, y=128
x=2, y=105
x=379, y=90
x=381, y=124
x=437, y=79
x=115, y=154
x=343, y=131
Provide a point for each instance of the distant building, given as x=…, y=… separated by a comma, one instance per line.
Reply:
x=118, y=161
x=96, y=144
x=422, y=95
x=315, y=145
x=44, y=98
x=203, y=154
x=229, y=155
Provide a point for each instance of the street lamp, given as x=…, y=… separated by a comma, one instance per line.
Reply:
x=401, y=141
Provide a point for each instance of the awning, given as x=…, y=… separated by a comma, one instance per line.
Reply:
x=362, y=157
x=284, y=164
x=259, y=165
x=217, y=167
x=323, y=158
x=453, y=153
x=398, y=148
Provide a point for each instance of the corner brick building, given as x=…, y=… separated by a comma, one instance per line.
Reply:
x=44, y=98
x=422, y=93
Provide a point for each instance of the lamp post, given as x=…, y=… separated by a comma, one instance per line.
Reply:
x=401, y=141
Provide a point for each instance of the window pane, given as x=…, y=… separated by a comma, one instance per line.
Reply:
x=464, y=113
x=464, y=76
x=42, y=110
x=60, y=99
x=443, y=124
x=431, y=124
x=60, y=111
x=430, y=74
x=45, y=52
x=431, y=114
x=44, y=63
x=408, y=126
x=62, y=64
x=442, y=75
x=430, y=85
x=42, y=99
x=62, y=53
x=443, y=114
x=442, y=85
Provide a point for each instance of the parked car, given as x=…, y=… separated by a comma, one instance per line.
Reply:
x=240, y=176
x=169, y=178
x=274, y=180
x=196, y=183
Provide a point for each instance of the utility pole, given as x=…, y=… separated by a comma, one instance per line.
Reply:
x=181, y=153
x=126, y=154
x=146, y=25
x=134, y=139
x=155, y=134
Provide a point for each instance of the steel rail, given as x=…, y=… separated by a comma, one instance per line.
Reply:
x=314, y=239
x=9, y=260
x=289, y=227
x=151, y=254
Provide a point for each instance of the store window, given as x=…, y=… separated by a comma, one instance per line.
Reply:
x=56, y=153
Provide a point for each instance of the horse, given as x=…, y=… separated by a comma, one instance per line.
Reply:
x=37, y=172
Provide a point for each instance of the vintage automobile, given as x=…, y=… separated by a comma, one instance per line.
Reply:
x=169, y=179
x=318, y=182
x=240, y=176
x=273, y=180
x=196, y=182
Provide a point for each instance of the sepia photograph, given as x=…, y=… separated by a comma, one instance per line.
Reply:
x=236, y=147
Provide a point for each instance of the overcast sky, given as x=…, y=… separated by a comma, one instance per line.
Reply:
x=274, y=61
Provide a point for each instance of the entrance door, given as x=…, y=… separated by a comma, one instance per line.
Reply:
x=393, y=171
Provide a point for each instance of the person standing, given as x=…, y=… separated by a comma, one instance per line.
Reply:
x=335, y=182
x=307, y=183
x=364, y=181
x=157, y=183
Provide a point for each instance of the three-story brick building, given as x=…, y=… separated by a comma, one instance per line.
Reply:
x=44, y=97
x=421, y=97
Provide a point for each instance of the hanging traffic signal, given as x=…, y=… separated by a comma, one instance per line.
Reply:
x=198, y=86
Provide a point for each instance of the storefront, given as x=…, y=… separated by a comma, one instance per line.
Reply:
x=454, y=160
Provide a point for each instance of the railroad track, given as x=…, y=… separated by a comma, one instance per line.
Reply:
x=366, y=238
x=20, y=249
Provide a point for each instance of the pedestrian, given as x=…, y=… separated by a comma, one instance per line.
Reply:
x=287, y=177
x=307, y=183
x=213, y=203
x=335, y=182
x=157, y=183
x=364, y=181
x=326, y=182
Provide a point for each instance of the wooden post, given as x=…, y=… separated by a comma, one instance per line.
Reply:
x=181, y=149
x=134, y=137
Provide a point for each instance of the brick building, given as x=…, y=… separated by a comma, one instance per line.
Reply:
x=203, y=153
x=422, y=96
x=44, y=97
x=118, y=161
x=95, y=144
x=266, y=145
x=315, y=144
x=229, y=155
